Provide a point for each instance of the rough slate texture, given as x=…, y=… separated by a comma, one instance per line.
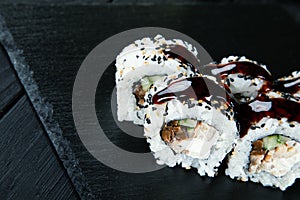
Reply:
x=55, y=40
x=29, y=166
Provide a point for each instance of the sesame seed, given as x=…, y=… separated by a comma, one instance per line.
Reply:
x=148, y=120
x=228, y=82
x=208, y=107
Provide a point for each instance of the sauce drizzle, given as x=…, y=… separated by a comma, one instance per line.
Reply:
x=242, y=67
x=185, y=56
x=247, y=115
x=199, y=88
x=286, y=86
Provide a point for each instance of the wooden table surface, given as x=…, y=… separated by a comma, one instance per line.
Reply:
x=56, y=38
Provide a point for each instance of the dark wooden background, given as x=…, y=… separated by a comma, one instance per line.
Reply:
x=55, y=38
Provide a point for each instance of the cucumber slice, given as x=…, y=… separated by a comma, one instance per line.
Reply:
x=188, y=123
x=273, y=141
x=154, y=78
x=146, y=83
x=281, y=139
x=270, y=142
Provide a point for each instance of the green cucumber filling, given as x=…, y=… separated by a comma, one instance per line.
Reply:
x=189, y=136
x=142, y=86
x=275, y=154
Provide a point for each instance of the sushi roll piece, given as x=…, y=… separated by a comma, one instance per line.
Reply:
x=268, y=150
x=144, y=62
x=243, y=79
x=289, y=85
x=188, y=125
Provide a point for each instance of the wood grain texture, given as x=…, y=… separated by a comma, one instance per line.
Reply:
x=10, y=87
x=29, y=168
x=56, y=39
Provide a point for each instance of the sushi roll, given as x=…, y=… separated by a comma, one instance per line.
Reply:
x=289, y=86
x=144, y=62
x=268, y=150
x=243, y=79
x=189, y=126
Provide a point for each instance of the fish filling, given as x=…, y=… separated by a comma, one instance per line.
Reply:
x=274, y=154
x=191, y=137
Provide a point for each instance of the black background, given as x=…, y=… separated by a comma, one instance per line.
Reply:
x=56, y=38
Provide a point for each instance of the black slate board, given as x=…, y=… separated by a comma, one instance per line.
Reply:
x=30, y=168
x=55, y=40
x=29, y=165
x=10, y=88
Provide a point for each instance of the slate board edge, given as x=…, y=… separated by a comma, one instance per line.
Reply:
x=45, y=110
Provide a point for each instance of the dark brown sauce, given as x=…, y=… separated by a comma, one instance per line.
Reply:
x=243, y=67
x=280, y=108
x=246, y=69
x=196, y=87
x=181, y=53
x=199, y=88
x=279, y=85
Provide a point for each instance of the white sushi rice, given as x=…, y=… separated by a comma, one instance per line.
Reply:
x=239, y=159
x=229, y=59
x=248, y=89
x=293, y=76
x=243, y=89
x=277, y=94
x=158, y=115
x=140, y=59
